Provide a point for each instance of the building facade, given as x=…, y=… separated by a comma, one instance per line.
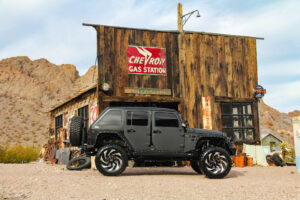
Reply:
x=208, y=77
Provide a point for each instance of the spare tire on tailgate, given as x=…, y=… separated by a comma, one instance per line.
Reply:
x=76, y=131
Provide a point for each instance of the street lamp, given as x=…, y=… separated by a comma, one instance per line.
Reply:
x=187, y=16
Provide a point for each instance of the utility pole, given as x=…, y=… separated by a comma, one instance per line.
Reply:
x=179, y=18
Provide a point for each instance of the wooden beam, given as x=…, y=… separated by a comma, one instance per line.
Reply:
x=179, y=14
x=141, y=99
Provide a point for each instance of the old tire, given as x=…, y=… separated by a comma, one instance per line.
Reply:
x=196, y=166
x=111, y=160
x=277, y=160
x=76, y=131
x=215, y=162
x=79, y=163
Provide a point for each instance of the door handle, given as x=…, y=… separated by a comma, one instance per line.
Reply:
x=157, y=131
x=130, y=131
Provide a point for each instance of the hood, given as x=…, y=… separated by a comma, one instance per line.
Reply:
x=205, y=132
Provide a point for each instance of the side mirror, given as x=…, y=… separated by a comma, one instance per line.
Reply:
x=185, y=124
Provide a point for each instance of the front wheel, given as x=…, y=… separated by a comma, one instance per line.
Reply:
x=111, y=160
x=215, y=162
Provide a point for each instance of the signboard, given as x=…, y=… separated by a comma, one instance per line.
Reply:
x=147, y=60
x=206, y=112
x=259, y=91
x=148, y=91
x=296, y=127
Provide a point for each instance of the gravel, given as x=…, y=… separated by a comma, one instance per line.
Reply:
x=46, y=181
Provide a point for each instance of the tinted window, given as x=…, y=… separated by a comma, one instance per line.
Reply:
x=163, y=119
x=112, y=118
x=137, y=118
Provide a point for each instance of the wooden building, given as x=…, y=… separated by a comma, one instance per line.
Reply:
x=209, y=77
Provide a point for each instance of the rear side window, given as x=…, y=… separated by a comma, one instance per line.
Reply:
x=163, y=119
x=112, y=118
x=137, y=118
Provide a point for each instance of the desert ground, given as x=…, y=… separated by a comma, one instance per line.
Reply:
x=47, y=181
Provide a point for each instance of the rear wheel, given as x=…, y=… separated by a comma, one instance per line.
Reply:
x=215, y=162
x=196, y=166
x=111, y=160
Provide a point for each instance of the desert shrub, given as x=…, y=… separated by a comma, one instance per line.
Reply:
x=288, y=152
x=18, y=154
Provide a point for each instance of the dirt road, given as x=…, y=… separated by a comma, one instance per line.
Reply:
x=46, y=181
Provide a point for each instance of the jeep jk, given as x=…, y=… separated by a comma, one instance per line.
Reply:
x=151, y=134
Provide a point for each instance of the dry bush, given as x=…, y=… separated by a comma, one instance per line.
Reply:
x=18, y=154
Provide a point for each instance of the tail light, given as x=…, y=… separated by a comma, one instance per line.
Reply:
x=89, y=133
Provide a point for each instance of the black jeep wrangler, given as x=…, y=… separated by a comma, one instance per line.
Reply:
x=151, y=134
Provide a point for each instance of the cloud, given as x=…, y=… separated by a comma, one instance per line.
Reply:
x=285, y=97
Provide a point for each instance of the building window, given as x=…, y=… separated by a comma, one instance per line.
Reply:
x=237, y=120
x=58, y=123
x=84, y=113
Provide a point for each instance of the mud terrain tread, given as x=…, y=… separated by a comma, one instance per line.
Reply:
x=76, y=131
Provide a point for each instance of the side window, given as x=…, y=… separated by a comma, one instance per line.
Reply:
x=137, y=118
x=112, y=118
x=163, y=119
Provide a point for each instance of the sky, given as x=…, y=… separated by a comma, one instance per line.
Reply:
x=52, y=29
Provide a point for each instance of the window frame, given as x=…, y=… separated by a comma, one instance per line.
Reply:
x=57, y=125
x=242, y=129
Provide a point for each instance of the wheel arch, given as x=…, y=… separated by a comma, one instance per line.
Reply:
x=211, y=141
x=112, y=138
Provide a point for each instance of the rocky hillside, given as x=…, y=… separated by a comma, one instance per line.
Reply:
x=277, y=123
x=27, y=90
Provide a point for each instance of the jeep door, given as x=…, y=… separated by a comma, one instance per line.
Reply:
x=137, y=129
x=167, y=132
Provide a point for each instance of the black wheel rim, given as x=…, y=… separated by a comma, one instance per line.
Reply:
x=216, y=162
x=111, y=160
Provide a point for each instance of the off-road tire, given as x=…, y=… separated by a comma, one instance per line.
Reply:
x=79, y=163
x=215, y=162
x=277, y=160
x=111, y=160
x=196, y=166
x=76, y=131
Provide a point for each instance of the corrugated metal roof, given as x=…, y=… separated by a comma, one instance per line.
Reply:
x=80, y=92
x=174, y=31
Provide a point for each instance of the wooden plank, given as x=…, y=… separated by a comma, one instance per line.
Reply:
x=152, y=91
x=117, y=75
x=123, y=60
x=141, y=99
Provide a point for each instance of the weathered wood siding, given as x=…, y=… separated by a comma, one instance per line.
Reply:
x=216, y=66
x=113, y=60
